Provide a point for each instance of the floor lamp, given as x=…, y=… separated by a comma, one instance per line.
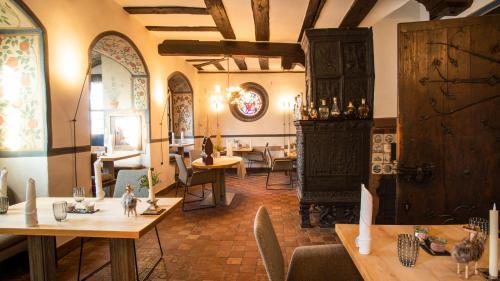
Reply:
x=161, y=124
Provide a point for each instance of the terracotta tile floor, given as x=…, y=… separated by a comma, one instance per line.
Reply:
x=209, y=244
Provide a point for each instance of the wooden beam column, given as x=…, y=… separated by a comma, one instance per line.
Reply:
x=312, y=15
x=240, y=62
x=218, y=12
x=260, y=9
x=358, y=11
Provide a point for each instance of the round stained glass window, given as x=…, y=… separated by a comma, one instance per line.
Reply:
x=252, y=103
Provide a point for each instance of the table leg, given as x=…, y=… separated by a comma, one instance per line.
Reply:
x=180, y=150
x=226, y=198
x=42, y=258
x=123, y=261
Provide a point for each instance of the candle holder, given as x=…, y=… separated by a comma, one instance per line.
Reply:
x=485, y=273
x=153, y=208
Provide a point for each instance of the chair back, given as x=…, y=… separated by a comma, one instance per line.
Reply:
x=193, y=155
x=183, y=171
x=126, y=177
x=268, y=245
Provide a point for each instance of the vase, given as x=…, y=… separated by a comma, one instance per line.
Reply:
x=363, y=109
x=350, y=112
x=313, y=113
x=335, y=112
x=304, y=113
x=324, y=111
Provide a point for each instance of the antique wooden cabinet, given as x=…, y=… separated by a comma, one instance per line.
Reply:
x=333, y=155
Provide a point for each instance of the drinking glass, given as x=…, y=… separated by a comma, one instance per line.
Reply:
x=79, y=194
x=59, y=209
x=481, y=223
x=4, y=204
x=408, y=249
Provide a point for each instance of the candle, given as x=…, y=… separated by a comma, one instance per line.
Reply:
x=173, y=137
x=251, y=147
x=150, y=183
x=182, y=137
x=493, y=267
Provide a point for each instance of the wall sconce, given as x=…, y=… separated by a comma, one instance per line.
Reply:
x=216, y=103
x=287, y=103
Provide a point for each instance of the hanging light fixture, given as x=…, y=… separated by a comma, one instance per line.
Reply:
x=233, y=93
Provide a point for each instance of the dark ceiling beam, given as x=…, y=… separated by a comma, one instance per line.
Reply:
x=218, y=12
x=312, y=15
x=240, y=62
x=163, y=10
x=442, y=8
x=488, y=9
x=260, y=9
x=264, y=63
x=182, y=28
x=218, y=66
x=358, y=11
x=209, y=62
x=199, y=60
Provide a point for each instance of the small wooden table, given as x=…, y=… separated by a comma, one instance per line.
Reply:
x=220, y=164
x=109, y=222
x=108, y=160
x=382, y=264
x=180, y=147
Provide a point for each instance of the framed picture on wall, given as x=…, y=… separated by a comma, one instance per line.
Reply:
x=127, y=132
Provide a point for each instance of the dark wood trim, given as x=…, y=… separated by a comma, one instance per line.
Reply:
x=386, y=122
x=182, y=28
x=158, y=140
x=240, y=62
x=252, y=72
x=68, y=150
x=245, y=135
x=358, y=11
x=199, y=60
x=51, y=152
x=209, y=62
x=488, y=9
x=442, y=8
x=289, y=52
x=264, y=63
x=312, y=14
x=218, y=12
x=260, y=10
x=219, y=66
x=163, y=10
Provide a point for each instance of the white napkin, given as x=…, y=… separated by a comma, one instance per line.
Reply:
x=99, y=191
x=30, y=214
x=229, y=146
x=241, y=169
x=363, y=241
x=3, y=182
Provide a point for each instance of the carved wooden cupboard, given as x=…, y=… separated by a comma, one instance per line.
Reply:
x=333, y=156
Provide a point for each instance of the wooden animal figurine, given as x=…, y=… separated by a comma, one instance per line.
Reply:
x=468, y=250
x=129, y=201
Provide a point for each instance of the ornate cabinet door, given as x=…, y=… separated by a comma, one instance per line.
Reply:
x=448, y=120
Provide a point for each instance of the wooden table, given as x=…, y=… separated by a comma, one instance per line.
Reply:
x=108, y=160
x=180, y=147
x=243, y=149
x=220, y=164
x=109, y=222
x=383, y=263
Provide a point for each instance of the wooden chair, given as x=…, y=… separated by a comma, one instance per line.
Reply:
x=279, y=165
x=258, y=155
x=318, y=263
x=190, y=179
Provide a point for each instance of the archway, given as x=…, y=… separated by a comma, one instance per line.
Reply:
x=182, y=104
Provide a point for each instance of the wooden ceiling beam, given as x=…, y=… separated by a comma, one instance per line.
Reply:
x=182, y=28
x=358, y=11
x=260, y=9
x=163, y=10
x=441, y=8
x=218, y=65
x=312, y=14
x=240, y=62
x=210, y=62
x=264, y=63
x=218, y=12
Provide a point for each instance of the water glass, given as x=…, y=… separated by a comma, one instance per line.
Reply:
x=480, y=223
x=60, y=211
x=408, y=246
x=78, y=194
x=4, y=204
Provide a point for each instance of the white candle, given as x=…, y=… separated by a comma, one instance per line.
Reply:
x=493, y=266
x=182, y=137
x=251, y=147
x=150, y=182
x=173, y=137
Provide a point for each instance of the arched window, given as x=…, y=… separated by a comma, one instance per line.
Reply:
x=252, y=103
x=23, y=111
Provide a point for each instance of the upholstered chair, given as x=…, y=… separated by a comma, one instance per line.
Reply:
x=279, y=165
x=318, y=263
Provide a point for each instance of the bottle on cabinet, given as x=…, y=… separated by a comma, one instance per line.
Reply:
x=335, y=112
x=304, y=113
x=313, y=113
x=363, y=109
x=324, y=111
x=350, y=112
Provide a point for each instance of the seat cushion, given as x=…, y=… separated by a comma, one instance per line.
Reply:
x=7, y=240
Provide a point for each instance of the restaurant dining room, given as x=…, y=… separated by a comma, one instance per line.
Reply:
x=236, y=140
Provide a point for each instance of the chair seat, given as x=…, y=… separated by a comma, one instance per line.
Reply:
x=7, y=240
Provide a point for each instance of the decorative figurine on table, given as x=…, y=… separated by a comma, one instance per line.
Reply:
x=469, y=249
x=129, y=201
x=208, y=149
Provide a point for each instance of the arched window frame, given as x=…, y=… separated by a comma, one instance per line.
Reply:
x=265, y=103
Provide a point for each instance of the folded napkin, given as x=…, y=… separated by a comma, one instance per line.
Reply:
x=241, y=169
x=30, y=214
x=99, y=191
x=3, y=182
x=363, y=241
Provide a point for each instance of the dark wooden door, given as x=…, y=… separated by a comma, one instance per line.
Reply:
x=448, y=119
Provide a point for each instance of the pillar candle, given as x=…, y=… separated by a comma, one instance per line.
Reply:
x=251, y=147
x=182, y=137
x=173, y=137
x=150, y=182
x=493, y=266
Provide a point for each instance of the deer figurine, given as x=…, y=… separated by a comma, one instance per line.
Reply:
x=129, y=201
x=469, y=249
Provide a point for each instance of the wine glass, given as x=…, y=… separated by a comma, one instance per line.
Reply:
x=78, y=194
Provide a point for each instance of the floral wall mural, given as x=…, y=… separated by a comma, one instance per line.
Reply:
x=183, y=113
x=140, y=89
x=22, y=84
x=118, y=49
